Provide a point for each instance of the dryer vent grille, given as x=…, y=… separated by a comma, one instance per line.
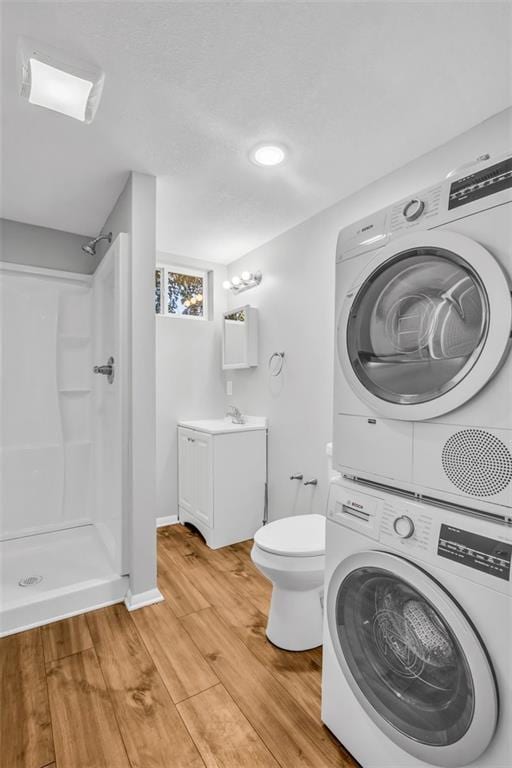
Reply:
x=477, y=462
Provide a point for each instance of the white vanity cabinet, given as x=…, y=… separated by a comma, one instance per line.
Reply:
x=222, y=470
x=195, y=474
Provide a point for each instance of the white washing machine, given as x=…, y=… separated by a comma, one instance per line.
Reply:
x=423, y=379
x=417, y=664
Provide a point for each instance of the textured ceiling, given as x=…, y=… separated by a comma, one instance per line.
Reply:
x=353, y=89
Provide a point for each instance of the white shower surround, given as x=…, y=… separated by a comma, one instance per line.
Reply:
x=51, y=521
x=46, y=441
x=77, y=576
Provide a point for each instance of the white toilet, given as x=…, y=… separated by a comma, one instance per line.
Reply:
x=291, y=553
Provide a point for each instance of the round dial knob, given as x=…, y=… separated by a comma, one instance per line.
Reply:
x=403, y=526
x=413, y=209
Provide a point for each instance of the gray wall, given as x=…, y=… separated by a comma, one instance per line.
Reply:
x=189, y=380
x=296, y=305
x=42, y=247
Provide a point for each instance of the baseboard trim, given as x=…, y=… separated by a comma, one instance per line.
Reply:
x=140, y=600
x=169, y=520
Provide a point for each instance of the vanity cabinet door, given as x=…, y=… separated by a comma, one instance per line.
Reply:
x=195, y=474
x=203, y=479
x=186, y=469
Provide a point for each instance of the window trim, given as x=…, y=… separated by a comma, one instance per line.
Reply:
x=164, y=269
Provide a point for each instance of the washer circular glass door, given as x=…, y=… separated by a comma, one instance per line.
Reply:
x=421, y=322
x=412, y=658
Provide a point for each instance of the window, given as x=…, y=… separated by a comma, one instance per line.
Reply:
x=181, y=292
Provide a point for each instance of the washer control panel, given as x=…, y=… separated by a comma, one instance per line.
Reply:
x=357, y=511
x=405, y=525
x=479, y=552
x=476, y=549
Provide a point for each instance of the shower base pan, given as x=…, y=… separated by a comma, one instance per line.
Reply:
x=52, y=576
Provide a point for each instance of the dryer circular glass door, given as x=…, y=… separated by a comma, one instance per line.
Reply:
x=426, y=325
x=412, y=658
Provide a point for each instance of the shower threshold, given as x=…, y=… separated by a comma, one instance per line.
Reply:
x=51, y=576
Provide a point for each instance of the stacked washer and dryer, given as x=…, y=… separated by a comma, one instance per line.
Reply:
x=418, y=604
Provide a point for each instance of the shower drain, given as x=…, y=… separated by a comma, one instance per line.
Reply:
x=30, y=581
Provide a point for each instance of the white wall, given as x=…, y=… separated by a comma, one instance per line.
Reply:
x=189, y=380
x=296, y=305
x=135, y=213
x=42, y=247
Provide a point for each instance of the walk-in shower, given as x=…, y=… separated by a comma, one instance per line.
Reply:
x=62, y=441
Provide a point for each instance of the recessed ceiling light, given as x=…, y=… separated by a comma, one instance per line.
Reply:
x=50, y=79
x=268, y=154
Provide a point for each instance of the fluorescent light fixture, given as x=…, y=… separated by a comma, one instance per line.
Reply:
x=51, y=79
x=268, y=154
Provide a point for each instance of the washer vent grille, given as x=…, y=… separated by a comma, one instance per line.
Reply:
x=477, y=462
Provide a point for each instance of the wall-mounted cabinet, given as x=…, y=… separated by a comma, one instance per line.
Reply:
x=240, y=338
x=222, y=479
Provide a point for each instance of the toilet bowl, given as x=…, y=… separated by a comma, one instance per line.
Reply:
x=291, y=553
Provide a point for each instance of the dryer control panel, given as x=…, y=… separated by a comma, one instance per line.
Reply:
x=431, y=207
x=494, y=178
x=410, y=212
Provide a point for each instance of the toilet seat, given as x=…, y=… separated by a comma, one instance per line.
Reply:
x=297, y=536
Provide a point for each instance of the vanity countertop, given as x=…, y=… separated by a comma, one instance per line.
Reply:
x=225, y=426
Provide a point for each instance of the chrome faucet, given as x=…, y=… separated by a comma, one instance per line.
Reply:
x=236, y=415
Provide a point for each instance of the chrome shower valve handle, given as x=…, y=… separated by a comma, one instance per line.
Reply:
x=106, y=370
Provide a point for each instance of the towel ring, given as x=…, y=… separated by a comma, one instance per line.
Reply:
x=276, y=368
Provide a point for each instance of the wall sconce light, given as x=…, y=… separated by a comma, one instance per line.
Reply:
x=241, y=283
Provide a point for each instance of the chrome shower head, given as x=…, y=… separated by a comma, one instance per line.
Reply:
x=90, y=247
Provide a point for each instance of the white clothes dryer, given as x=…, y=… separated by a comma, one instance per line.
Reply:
x=417, y=633
x=423, y=379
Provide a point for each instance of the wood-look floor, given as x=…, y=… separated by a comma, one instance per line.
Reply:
x=188, y=683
